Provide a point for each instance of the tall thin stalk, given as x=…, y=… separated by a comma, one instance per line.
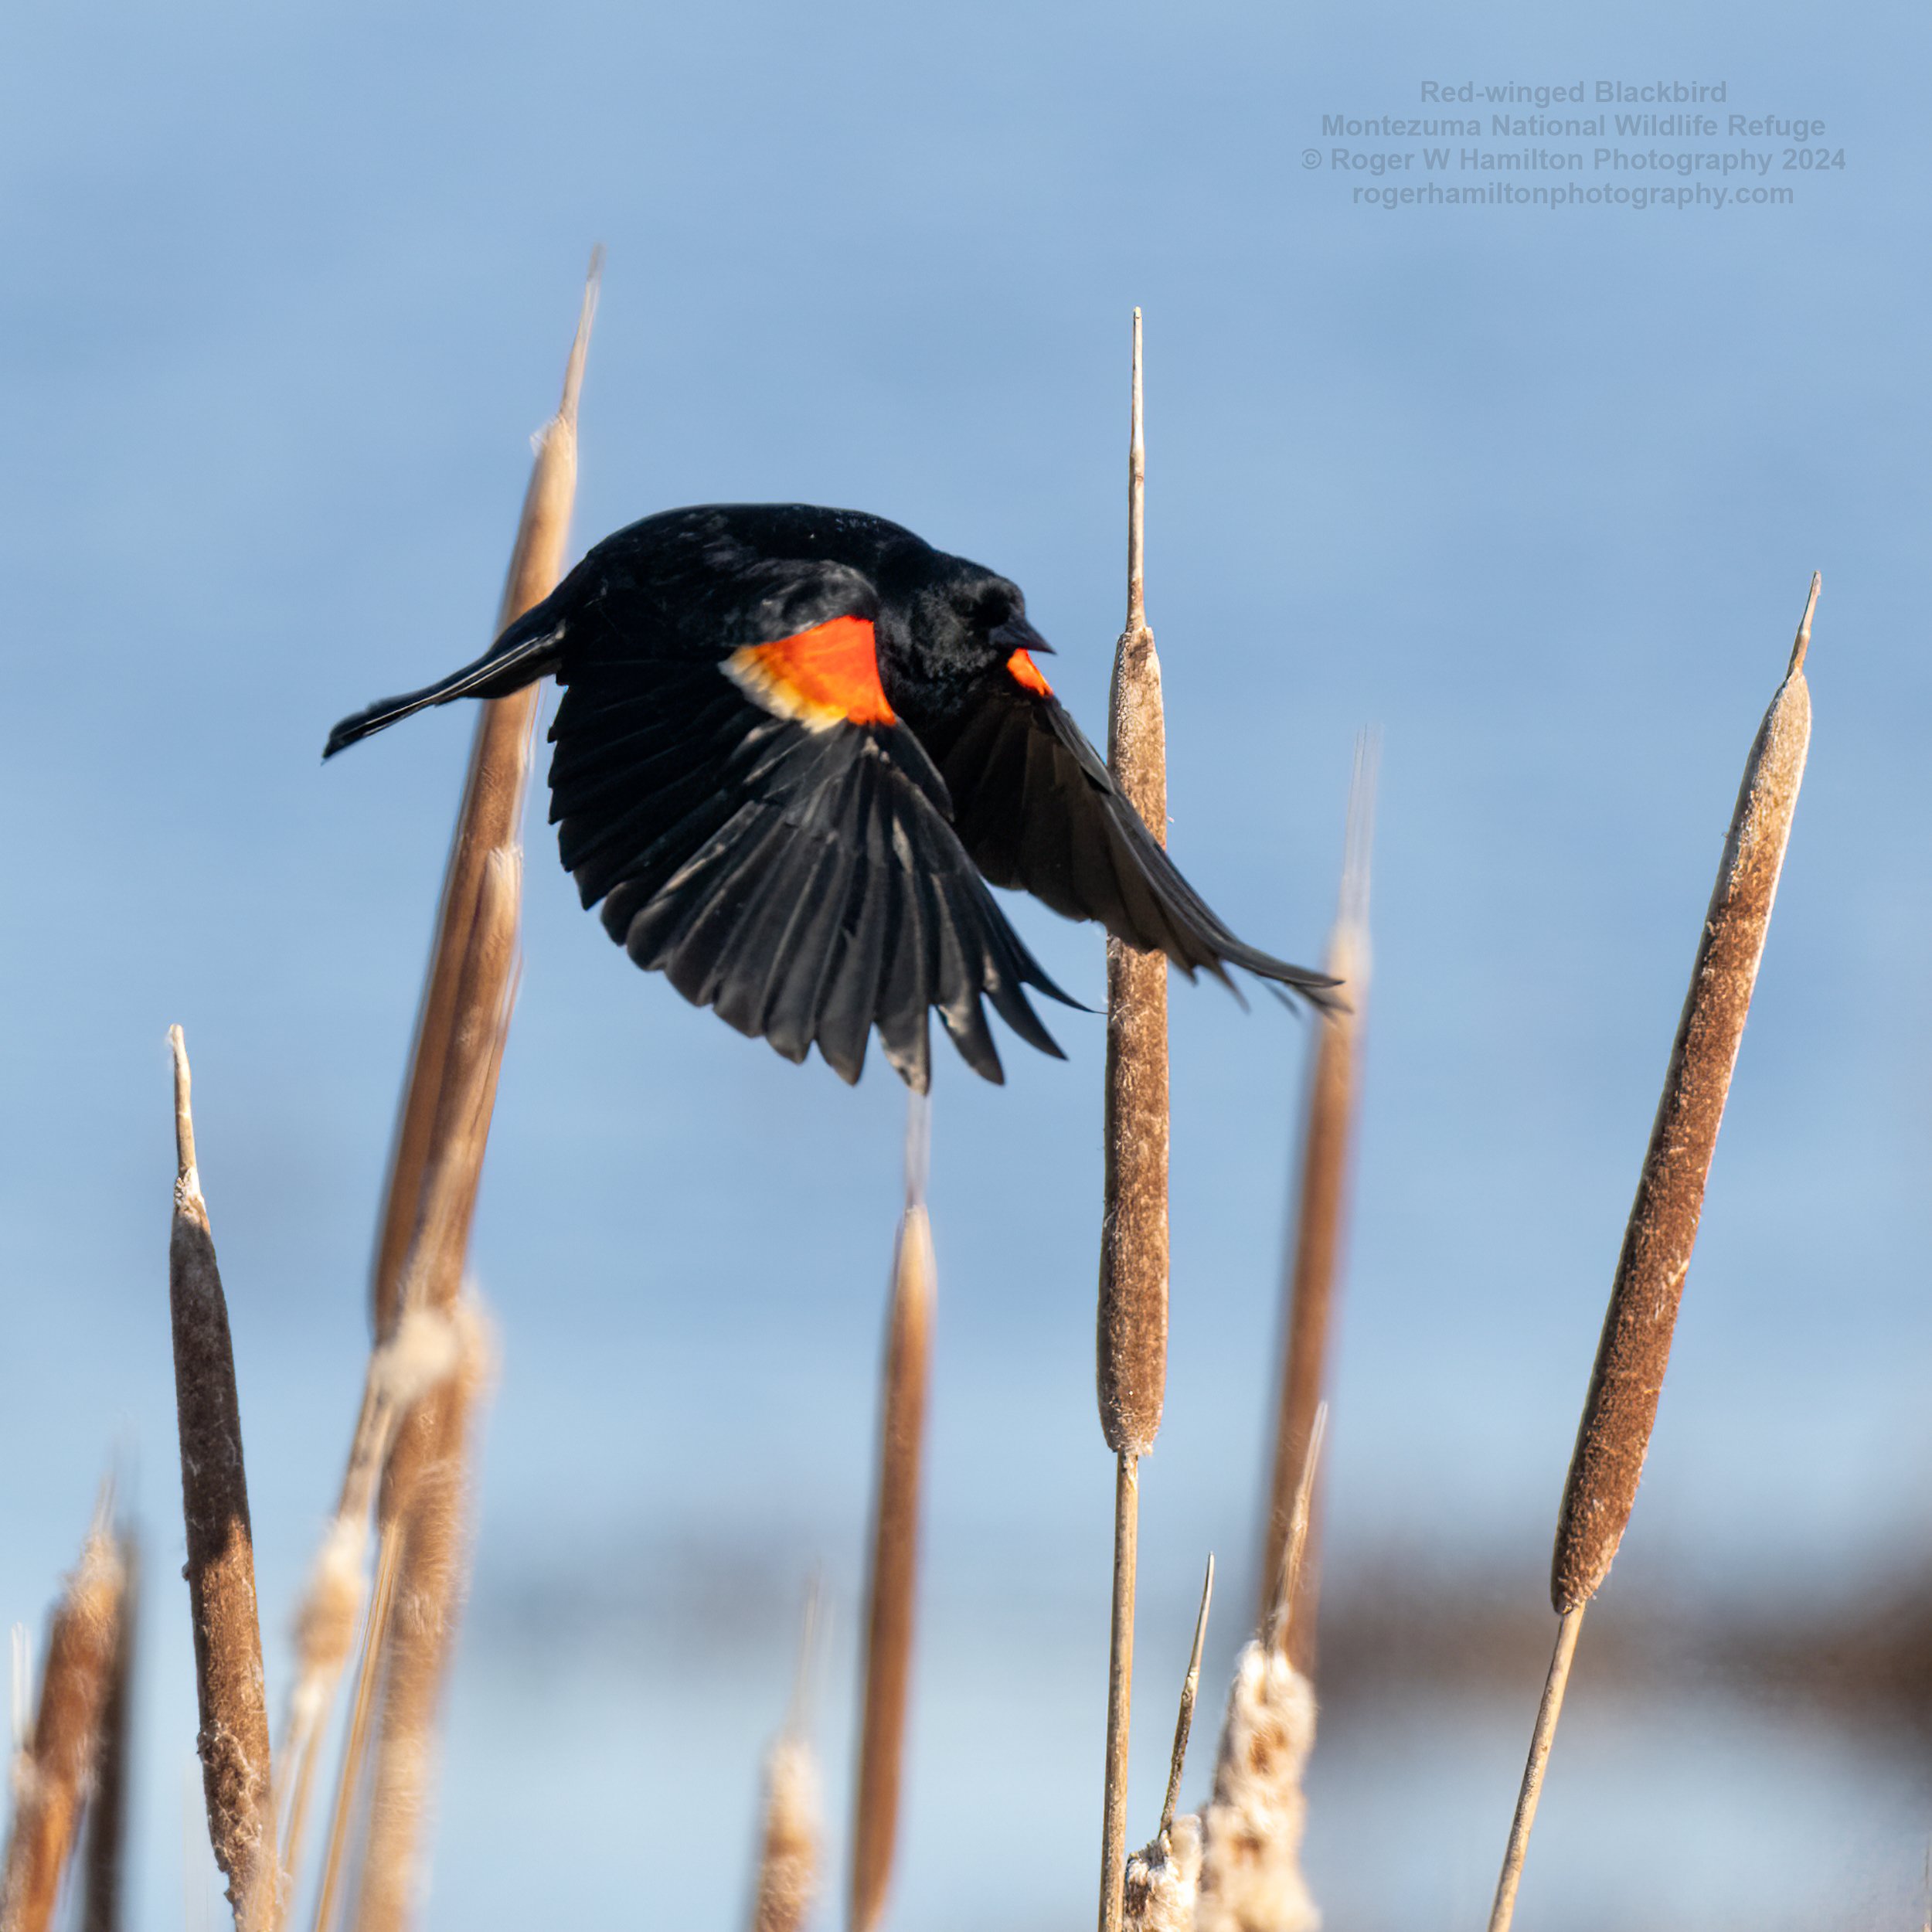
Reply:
x=1132, y=1318
x=1315, y=1270
x=892, y=1583
x=233, y=1739
x=1621, y=1406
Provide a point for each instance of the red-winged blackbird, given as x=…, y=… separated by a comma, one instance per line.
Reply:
x=788, y=737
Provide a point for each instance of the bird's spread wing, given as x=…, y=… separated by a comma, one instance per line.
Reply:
x=1036, y=806
x=760, y=826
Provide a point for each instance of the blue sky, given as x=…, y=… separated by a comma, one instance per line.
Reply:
x=1537, y=492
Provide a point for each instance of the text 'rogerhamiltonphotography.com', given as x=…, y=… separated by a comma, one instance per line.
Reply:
x=1638, y=144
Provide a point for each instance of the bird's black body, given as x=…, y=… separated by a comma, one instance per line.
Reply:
x=791, y=742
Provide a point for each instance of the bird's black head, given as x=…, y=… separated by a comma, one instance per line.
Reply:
x=944, y=621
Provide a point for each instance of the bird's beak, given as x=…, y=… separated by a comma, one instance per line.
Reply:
x=1017, y=634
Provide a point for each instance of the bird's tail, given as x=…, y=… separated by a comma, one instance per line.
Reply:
x=529, y=649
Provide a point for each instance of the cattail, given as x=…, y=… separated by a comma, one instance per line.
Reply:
x=233, y=1739
x=418, y=1637
x=1163, y=1880
x=422, y=1352
x=491, y=811
x=1132, y=1320
x=1315, y=1263
x=443, y=1127
x=1161, y=1877
x=788, y=1842
x=1251, y=1827
x=57, y=1762
x=787, y=1883
x=1634, y=1352
x=105, y=1856
x=892, y=1583
x=1133, y=1246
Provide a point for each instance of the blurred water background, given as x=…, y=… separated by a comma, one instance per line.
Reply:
x=284, y=292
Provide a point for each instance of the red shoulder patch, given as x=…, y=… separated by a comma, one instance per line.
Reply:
x=822, y=677
x=1026, y=673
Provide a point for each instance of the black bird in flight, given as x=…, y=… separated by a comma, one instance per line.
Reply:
x=794, y=743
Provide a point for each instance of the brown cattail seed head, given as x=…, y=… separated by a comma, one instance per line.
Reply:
x=1161, y=1879
x=1635, y=1350
x=1251, y=1829
x=233, y=1740
x=53, y=1772
x=893, y=1582
x=1134, y=1228
x=788, y=1843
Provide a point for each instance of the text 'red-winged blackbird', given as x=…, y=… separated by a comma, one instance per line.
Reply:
x=793, y=744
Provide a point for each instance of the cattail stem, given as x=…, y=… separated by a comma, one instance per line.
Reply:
x=1119, y=1691
x=1315, y=1262
x=418, y=1635
x=61, y=1747
x=892, y=1580
x=233, y=1741
x=1548, y=1710
x=1287, y=1582
x=1132, y=1316
x=1620, y=1406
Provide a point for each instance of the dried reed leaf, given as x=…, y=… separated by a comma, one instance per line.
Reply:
x=1321, y=1213
x=1183, y=1721
x=233, y=1738
x=404, y=1433
x=892, y=1583
x=103, y=1902
x=1635, y=1349
x=349, y=1776
x=487, y=822
x=53, y=1774
x=423, y=1350
x=418, y=1637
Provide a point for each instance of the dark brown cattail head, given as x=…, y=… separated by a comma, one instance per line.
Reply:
x=233, y=1740
x=63, y=1749
x=1132, y=1322
x=1635, y=1350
